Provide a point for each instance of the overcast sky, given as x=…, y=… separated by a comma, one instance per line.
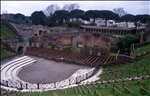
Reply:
x=28, y=7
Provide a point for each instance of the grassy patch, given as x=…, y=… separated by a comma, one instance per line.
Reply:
x=113, y=54
x=49, y=46
x=26, y=41
x=140, y=50
x=77, y=49
x=4, y=53
x=137, y=68
x=119, y=36
x=6, y=33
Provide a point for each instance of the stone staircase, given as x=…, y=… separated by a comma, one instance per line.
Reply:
x=9, y=70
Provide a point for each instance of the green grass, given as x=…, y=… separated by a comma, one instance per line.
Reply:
x=113, y=54
x=49, y=46
x=4, y=53
x=137, y=68
x=26, y=41
x=6, y=33
x=77, y=50
x=103, y=90
x=140, y=50
x=119, y=36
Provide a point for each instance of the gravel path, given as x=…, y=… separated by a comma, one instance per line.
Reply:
x=47, y=71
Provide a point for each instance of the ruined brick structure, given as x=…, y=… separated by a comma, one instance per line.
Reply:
x=62, y=40
x=96, y=44
x=42, y=41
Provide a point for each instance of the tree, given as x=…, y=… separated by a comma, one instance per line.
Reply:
x=128, y=17
x=38, y=17
x=142, y=18
x=70, y=7
x=120, y=11
x=50, y=21
x=19, y=16
x=51, y=9
x=59, y=15
x=76, y=13
x=72, y=24
x=90, y=14
x=125, y=42
x=107, y=14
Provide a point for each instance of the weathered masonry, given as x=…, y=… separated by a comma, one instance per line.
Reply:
x=109, y=30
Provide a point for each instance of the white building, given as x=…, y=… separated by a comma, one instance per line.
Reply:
x=74, y=19
x=125, y=24
x=131, y=25
x=121, y=24
x=70, y=20
x=86, y=22
x=100, y=22
x=91, y=20
x=110, y=22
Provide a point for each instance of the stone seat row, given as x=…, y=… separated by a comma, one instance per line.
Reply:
x=9, y=70
x=68, y=56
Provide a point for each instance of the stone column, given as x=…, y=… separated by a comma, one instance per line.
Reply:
x=73, y=41
x=141, y=39
x=92, y=41
x=83, y=41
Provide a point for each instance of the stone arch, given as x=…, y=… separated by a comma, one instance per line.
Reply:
x=20, y=49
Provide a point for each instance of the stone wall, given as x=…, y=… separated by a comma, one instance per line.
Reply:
x=40, y=40
x=63, y=40
x=97, y=43
x=29, y=31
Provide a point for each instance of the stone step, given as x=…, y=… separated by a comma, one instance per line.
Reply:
x=11, y=65
x=10, y=71
x=13, y=61
x=15, y=72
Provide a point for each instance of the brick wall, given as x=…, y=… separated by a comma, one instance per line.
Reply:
x=63, y=40
x=97, y=42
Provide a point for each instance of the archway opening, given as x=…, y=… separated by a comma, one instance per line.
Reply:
x=20, y=49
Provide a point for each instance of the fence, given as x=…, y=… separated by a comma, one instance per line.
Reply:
x=67, y=82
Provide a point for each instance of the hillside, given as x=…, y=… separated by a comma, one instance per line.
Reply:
x=7, y=33
x=5, y=51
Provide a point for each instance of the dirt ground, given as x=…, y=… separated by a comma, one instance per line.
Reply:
x=47, y=71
